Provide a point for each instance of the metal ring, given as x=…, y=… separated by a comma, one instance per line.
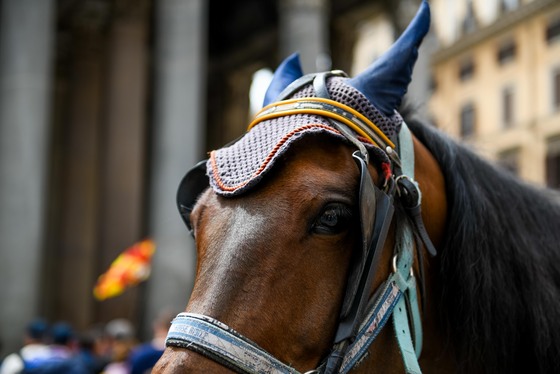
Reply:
x=395, y=266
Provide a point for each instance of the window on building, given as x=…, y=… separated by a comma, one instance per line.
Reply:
x=556, y=89
x=466, y=69
x=506, y=52
x=509, y=160
x=508, y=5
x=470, y=22
x=432, y=83
x=553, y=30
x=468, y=117
x=508, y=106
x=553, y=163
x=432, y=121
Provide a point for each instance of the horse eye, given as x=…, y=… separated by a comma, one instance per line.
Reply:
x=334, y=219
x=330, y=218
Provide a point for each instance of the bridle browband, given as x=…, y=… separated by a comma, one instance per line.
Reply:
x=361, y=319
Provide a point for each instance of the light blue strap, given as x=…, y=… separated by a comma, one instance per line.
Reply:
x=407, y=158
x=406, y=282
x=402, y=331
x=404, y=276
x=414, y=310
x=406, y=148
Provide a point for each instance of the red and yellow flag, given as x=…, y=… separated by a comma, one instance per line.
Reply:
x=131, y=267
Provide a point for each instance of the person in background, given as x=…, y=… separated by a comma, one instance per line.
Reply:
x=34, y=348
x=62, y=337
x=145, y=356
x=103, y=343
x=122, y=337
x=88, y=354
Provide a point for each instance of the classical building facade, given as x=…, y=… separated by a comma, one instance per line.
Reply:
x=101, y=104
x=104, y=105
x=496, y=82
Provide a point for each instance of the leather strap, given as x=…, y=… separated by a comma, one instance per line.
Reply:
x=410, y=187
x=303, y=81
x=406, y=282
x=414, y=311
x=320, y=85
x=330, y=109
x=402, y=331
x=406, y=151
x=374, y=321
x=404, y=274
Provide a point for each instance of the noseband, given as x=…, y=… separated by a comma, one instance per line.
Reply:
x=361, y=319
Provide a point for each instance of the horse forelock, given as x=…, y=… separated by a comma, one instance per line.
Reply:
x=237, y=168
x=500, y=279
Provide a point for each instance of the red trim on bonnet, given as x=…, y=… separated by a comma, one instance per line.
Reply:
x=386, y=168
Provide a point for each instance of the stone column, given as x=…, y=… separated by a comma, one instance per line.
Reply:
x=77, y=212
x=26, y=34
x=235, y=113
x=177, y=144
x=304, y=28
x=122, y=174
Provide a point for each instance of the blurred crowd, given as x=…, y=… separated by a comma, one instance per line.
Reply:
x=109, y=349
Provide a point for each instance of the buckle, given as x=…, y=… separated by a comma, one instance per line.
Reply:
x=408, y=191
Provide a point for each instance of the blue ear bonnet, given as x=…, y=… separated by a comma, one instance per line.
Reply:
x=376, y=93
x=384, y=82
x=287, y=72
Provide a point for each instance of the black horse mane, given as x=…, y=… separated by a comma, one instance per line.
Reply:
x=499, y=266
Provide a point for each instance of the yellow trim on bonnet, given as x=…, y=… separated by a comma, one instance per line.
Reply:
x=259, y=117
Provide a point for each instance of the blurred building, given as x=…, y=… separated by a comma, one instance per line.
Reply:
x=488, y=73
x=104, y=105
x=101, y=105
x=496, y=81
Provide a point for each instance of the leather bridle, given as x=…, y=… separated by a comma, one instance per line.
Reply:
x=361, y=318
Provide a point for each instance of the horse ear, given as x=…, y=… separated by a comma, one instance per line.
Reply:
x=385, y=81
x=287, y=72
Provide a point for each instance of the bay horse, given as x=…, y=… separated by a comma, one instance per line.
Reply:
x=336, y=237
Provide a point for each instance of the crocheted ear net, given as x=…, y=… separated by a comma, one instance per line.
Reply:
x=235, y=169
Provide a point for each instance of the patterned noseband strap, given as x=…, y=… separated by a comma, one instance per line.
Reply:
x=217, y=341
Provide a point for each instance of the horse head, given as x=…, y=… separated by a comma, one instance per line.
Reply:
x=299, y=226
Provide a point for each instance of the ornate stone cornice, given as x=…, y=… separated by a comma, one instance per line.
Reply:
x=503, y=23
